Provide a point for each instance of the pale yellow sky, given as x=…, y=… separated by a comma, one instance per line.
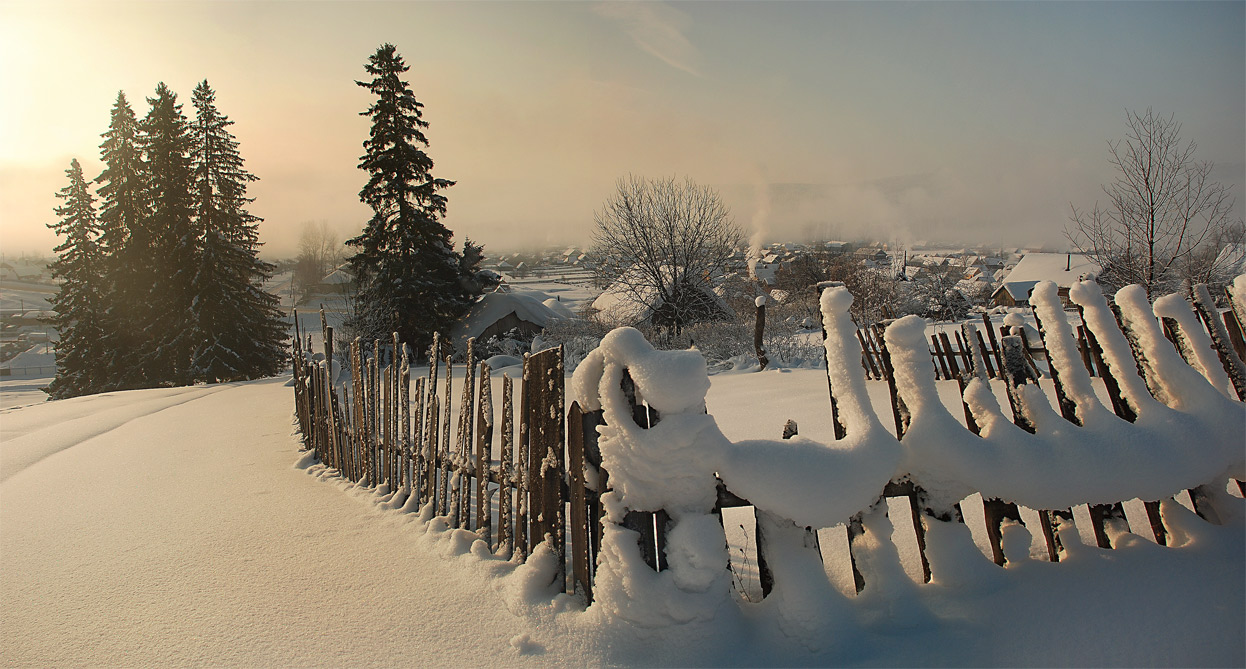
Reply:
x=970, y=121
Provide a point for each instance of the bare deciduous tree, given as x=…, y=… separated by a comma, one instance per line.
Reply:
x=666, y=240
x=320, y=250
x=1162, y=211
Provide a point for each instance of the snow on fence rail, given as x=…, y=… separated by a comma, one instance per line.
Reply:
x=632, y=477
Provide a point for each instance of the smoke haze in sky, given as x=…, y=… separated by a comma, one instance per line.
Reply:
x=970, y=122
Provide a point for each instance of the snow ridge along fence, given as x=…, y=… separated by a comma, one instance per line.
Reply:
x=632, y=477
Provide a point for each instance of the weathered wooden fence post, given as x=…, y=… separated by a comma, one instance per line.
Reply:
x=443, y=496
x=506, y=474
x=581, y=553
x=484, y=456
x=546, y=454
x=1233, y=365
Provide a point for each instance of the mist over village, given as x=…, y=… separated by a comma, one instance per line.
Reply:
x=622, y=334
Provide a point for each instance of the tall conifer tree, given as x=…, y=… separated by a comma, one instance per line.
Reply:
x=167, y=318
x=79, y=365
x=125, y=244
x=238, y=333
x=410, y=278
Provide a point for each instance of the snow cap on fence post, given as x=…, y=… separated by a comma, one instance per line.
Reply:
x=843, y=364
x=668, y=466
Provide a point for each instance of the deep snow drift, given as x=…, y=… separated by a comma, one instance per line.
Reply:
x=183, y=526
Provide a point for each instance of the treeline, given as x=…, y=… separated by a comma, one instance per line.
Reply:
x=162, y=284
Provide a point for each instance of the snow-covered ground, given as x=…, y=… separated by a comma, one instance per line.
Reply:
x=20, y=296
x=182, y=526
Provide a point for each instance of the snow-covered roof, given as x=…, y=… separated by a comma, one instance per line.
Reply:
x=1035, y=267
x=559, y=308
x=1019, y=290
x=623, y=304
x=492, y=307
x=337, y=277
x=1232, y=259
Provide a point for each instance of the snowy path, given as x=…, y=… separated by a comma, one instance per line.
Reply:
x=212, y=549
x=172, y=528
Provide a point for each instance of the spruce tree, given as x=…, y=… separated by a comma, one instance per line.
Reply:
x=125, y=247
x=77, y=301
x=166, y=318
x=410, y=279
x=238, y=333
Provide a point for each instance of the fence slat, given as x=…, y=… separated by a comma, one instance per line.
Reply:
x=506, y=474
x=484, y=446
x=1207, y=312
x=522, y=468
x=444, y=455
x=581, y=568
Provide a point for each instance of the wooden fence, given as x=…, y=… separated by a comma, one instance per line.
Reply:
x=379, y=429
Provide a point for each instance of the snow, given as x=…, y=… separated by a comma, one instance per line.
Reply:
x=1051, y=267
x=493, y=307
x=39, y=359
x=559, y=308
x=1238, y=290
x=140, y=528
x=1170, y=448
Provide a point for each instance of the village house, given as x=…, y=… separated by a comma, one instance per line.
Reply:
x=1064, y=269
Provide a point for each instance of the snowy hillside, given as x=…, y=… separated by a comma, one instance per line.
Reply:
x=182, y=526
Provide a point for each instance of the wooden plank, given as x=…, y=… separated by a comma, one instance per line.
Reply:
x=1233, y=365
x=1018, y=374
x=1234, y=329
x=547, y=459
x=444, y=457
x=417, y=445
x=484, y=456
x=331, y=425
x=840, y=431
x=374, y=403
x=1120, y=406
x=404, y=423
x=430, y=422
x=868, y=361
x=939, y=357
x=996, y=511
x=966, y=357
x=986, y=356
x=581, y=568
x=467, y=442
x=387, y=443
x=522, y=470
x=434, y=455
x=899, y=412
x=1083, y=345
x=506, y=473
x=990, y=333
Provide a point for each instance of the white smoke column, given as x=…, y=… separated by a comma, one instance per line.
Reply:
x=761, y=216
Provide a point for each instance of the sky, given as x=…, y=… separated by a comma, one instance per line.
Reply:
x=960, y=122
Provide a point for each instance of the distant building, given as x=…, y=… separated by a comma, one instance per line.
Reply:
x=1064, y=269
x=519, y=315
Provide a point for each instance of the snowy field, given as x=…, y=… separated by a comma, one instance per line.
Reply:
x=182, y=527
x=18, y=296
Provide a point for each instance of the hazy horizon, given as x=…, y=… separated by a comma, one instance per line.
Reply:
x=975, y=123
